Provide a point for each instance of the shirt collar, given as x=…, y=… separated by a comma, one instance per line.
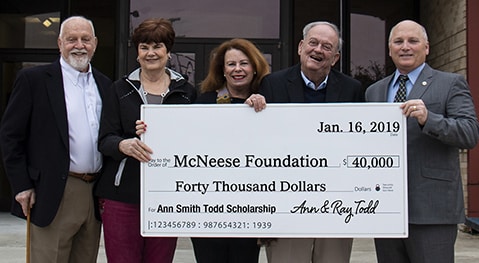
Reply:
x=73, y=73
x=311, y=84
x=412, y=76
x=135, y=75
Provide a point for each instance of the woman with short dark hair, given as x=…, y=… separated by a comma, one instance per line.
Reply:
x=119, y=185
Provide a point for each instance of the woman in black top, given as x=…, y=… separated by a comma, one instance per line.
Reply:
x=119, y=185
x=235, y=72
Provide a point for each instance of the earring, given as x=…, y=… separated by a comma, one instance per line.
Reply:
x=254, y=73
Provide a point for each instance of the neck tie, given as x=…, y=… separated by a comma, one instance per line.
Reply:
x=401, y=93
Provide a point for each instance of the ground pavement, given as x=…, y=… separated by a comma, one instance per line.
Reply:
x=12, y=246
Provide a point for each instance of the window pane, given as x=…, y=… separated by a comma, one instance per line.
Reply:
x=29, y=31
x=370, y=24
x=183, y=63
x=368, y=48
x=213, y=18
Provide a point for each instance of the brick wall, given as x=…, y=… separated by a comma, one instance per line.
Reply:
x=445, y=23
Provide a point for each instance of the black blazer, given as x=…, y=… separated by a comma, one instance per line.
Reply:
x=286, y=86
x=34, y=138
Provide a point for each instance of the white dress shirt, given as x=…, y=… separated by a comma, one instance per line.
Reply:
x=83, y=104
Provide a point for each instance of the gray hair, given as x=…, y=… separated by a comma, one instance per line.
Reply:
x=73, y=18
x=423, y=29
x=333, y=26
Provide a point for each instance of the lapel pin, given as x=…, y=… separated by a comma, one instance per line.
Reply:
x=424, y=83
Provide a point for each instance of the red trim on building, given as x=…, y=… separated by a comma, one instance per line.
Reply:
x=472, y=20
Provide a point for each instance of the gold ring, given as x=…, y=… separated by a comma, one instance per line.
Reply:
x=414, y=107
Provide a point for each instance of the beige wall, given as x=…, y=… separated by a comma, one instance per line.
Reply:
x=445, y=23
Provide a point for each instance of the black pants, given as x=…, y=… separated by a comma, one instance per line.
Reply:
x=226, y=250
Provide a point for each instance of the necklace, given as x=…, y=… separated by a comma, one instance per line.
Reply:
x=240, y=93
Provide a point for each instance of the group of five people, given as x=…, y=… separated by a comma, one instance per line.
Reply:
x=71, y=147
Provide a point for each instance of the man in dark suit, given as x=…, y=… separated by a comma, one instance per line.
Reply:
x=441, y=120
x=48, y=137
x=313, y=80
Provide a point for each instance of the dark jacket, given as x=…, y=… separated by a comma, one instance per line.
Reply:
x=34, y=138
x=120, y=111
x=286, y=86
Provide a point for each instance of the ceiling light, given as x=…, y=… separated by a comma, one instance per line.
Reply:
x=47, y=23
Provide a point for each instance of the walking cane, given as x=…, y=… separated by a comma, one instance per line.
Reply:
x=28, y=235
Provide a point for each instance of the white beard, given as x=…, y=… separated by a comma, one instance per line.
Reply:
x=78, y=63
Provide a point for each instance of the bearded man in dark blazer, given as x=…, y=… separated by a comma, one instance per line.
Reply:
x=48, y=137
x=313, y=80
x=441, y=119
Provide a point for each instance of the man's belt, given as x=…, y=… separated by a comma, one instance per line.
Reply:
x=87, y=177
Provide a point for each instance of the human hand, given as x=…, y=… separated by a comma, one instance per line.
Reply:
x=257, y=101
x=135, y=148
x=415, y=109
x=140, y=127
x=26, y=199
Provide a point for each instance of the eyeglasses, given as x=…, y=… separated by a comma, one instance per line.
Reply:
x=324, y=46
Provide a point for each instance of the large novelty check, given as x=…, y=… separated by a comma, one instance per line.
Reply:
x=292, y=170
